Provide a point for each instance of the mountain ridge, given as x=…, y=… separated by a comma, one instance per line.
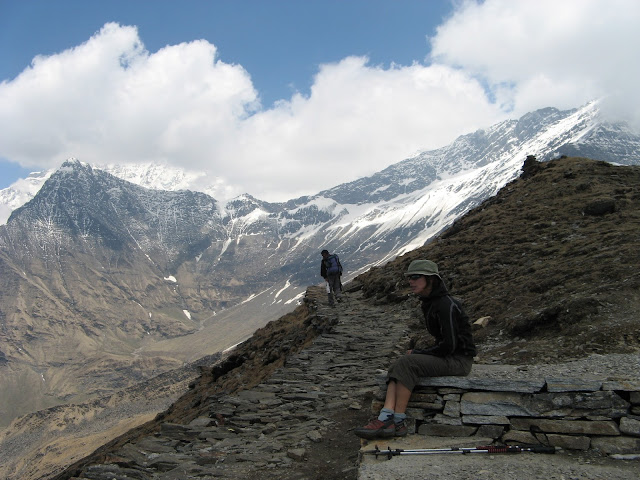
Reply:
x=88, y=285
x=166, y=177
x=554, y=270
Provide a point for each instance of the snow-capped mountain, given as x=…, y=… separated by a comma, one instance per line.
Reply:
x=573, y=133
x=96, y=269
x=377, y=218
x=20, y=193
x=148, y=175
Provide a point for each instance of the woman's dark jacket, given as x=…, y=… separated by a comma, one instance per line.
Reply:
x=448, y=323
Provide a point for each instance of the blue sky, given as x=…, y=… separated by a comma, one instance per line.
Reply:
x=280, y=42
x=274, y=97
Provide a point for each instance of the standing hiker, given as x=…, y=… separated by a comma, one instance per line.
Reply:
x=451, y=354
x=331, y=270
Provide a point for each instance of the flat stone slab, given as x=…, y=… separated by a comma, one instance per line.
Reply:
x=571, y=442
x=622, y=385
x=485, y=420
x=568, y=404
x=520, y=385
x=572, y=385
x=573, y=427
x=438, y=430
x=485, y=384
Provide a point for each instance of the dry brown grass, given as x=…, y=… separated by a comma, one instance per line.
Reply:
x=552, y=259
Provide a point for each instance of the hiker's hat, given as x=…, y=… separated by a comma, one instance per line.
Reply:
x=324, y=251
x=422, y=267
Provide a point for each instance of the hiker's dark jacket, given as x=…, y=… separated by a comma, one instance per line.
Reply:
x=448, y=323
x=324, y=264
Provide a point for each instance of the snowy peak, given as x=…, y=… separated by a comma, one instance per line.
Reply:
x=20, y=193
x=547, y=133
x=149, y=175
x=245, y=204
x=156, y=176
x=78, y=203
x=417, y=196
x=103, y=256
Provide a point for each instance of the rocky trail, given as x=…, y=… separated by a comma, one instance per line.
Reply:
x=296, y=424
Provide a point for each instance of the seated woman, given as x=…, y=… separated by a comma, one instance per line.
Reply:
x=452, y=353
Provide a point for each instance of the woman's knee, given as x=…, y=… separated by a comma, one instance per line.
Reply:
x=402, y=361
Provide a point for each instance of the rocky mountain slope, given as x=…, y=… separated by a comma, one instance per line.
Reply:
x=106, y=284
x=551, y=259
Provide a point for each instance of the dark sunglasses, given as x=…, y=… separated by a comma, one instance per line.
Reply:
x=414, y=277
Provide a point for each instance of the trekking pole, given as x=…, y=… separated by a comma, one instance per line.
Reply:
x=389, y=453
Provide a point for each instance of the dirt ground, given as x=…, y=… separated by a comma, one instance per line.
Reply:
x=563, y=465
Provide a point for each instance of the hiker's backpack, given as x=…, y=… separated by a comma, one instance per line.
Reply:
x=333, y=265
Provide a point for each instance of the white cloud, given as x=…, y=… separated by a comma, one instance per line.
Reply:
x=109, y=100
x=539, y=53
x=357, y=120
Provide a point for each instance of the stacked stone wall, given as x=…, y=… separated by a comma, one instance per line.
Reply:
x=574, y=414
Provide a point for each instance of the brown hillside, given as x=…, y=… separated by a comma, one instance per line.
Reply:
x=553, y=259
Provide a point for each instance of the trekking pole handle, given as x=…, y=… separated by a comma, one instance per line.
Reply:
x=539, y=449
x=388, y=452
x=512, y=449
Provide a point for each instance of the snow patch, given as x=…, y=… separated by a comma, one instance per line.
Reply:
x=231, y=347
x=295, y=299
x=323, y=204
x=251, y=297
x=255, y=216
x=381, y=189
x=225, y=245
x=287, y=285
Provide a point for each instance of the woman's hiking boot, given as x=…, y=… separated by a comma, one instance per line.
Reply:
x=401, y=429
x=377, y=429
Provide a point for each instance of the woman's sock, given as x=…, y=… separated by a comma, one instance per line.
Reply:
x=385, y=413
x=399, y=417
